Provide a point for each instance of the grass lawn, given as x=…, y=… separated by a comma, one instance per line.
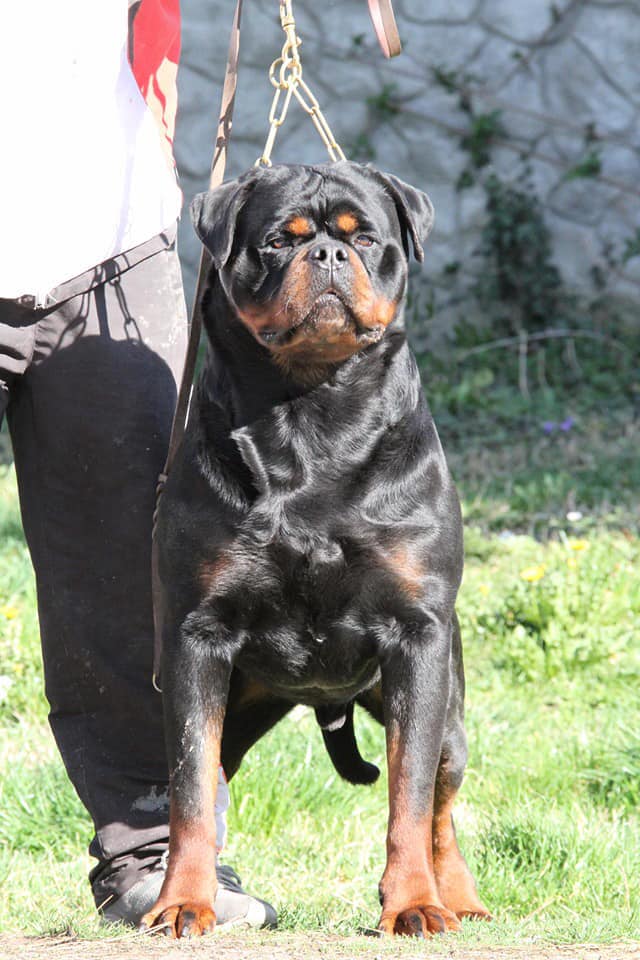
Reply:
x=548, y=815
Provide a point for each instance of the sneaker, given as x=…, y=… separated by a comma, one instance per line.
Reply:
x=233, y=907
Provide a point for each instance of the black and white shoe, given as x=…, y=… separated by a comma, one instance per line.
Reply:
x=233, y=907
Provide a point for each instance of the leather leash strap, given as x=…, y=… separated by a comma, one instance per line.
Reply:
x=387, y=32
x=216, y=177
x=385, y=26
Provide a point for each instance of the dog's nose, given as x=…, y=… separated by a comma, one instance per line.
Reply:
x=328, y=256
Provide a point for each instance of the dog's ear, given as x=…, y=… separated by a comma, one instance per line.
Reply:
x=415, y=211
x=214, y=215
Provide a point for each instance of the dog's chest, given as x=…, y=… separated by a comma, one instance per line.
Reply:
x=311, y=618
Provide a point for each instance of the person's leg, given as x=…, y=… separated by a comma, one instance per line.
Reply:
x=90, y=387
x=90, y=420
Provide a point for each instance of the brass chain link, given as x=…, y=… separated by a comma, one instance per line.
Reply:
x=285, y=74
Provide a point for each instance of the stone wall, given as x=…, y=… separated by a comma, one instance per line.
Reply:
x=564, y=78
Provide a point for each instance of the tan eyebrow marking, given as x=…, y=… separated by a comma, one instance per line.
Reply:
x=299, y=226
x=347, y=222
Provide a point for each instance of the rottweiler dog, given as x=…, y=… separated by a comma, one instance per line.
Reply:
x=310, y=537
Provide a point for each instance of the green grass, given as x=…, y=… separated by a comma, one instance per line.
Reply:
x=548, y=814
x=518, y=468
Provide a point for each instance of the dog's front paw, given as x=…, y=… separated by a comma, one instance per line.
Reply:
x=190, y=919
x=418, y=920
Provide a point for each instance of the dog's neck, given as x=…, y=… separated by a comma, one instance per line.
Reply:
x=251, y=421
x=241, y=376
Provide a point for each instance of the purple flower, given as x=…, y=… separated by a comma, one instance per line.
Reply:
x=567, y=424
x=549, y=426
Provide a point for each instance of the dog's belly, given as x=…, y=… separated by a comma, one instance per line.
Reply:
x=313, y=666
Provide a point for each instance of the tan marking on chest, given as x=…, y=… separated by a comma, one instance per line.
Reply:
x=408, y=570
x=251, y=692
x=210, y=574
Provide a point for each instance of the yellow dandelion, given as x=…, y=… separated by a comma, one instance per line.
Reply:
x=9, y=612
x=484, y=589
x=533, y=574
x=579, y=545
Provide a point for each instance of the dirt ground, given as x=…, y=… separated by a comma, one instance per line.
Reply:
x=279, y=947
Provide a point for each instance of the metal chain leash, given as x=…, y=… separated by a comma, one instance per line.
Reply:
x=285, y=74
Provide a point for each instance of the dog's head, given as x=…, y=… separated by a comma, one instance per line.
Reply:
x=313, y=259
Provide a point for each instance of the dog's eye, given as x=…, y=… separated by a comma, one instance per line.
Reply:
x=364, y=240
x=279, y=243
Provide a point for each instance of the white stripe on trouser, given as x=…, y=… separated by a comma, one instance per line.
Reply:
x=221, y=807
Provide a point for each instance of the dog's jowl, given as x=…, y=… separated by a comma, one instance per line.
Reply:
x=310, y=534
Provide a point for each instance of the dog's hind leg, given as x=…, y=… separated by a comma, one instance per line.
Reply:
x=456, y=886
x=371, y=700
x=252, y=710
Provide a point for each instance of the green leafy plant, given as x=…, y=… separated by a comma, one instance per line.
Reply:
x=384, y=103
x=631, y=247
x=518, y=283
x=362, y=149
x=484, y=128
x=589, y=166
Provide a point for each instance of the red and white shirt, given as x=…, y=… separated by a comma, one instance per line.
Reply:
x=86, y=166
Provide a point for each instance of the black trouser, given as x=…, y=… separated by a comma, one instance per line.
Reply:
x=89, y=386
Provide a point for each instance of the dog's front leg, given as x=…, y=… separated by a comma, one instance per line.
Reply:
x=415, y=692
x=195, y=687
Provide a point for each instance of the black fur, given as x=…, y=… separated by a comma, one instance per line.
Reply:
x=310, y=532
